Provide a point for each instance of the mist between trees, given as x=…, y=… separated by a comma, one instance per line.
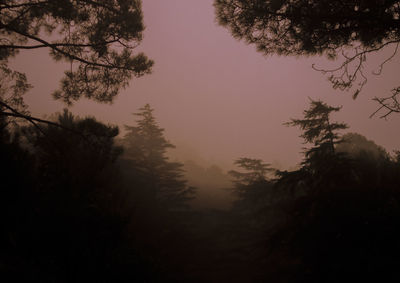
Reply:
x=79, y=203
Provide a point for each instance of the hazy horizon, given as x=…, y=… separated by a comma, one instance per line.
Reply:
x=217, y=98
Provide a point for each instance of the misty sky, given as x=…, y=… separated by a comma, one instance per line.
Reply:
x=217, y=98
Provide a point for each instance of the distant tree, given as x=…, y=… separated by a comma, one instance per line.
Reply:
x=355, y=145
x=146, y=147
x=352, y=28
x=322, y=165
x=344, y=204
x=318, y=128
x=253, y=187
x=334, y=161
x=372, y=164
x=97, y=38
x=256, y=170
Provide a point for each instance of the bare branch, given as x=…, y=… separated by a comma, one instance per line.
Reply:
x=390, y=104
x=387, y=60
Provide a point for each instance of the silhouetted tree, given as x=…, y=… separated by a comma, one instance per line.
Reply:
x=256, y=170
x=96, y=37
x=310, y=27
x=253, y=188
x=66, y=206
x=343, y=225
x=146, y=147
x=319, y=130
x=159, y=194
x=348, y=231
x=13, y=86
x=351, y=28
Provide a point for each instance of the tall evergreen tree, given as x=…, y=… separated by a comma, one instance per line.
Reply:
x=322, y=166
x=319, y=129
x=146, y=147
x=342, y=207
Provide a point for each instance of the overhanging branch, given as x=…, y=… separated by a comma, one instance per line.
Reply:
x=69, y=55
x=16, y=114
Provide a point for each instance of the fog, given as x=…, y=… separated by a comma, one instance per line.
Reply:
x=221, y=165
x=217, y=98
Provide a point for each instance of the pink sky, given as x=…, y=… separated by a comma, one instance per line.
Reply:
x=218, y=98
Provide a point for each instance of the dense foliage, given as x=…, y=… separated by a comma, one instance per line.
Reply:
x=97, y=38
x=73, y=210
x=335, y=218
x=76, y=206
x=351, y=29
x=305, y=27
x=80, y=205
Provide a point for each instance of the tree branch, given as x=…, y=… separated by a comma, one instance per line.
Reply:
x=69, y=55
x=29, y=4
x=32, y=120
x=11, y=46
x=390, y=103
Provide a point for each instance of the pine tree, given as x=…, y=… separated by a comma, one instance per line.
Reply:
x=319, y=129
x=256, y=171
x=322, y=166
x=98, y=38
x=253, y=186
x=146, y=147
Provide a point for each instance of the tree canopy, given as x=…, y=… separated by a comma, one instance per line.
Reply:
x=321, y=163
x=97, y=38
x=318, y=127
x=352, y=28
x=305, y=27
x=256, y=170
x=253, y=185
x=355, y=145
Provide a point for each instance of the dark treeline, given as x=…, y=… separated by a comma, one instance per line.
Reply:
x=334, y=219
x=75, y=209
x=80, y=206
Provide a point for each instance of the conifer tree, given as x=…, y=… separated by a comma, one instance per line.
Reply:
x=146, y=147
x=256, y=171
x=322, y=167
x=253, y=186
x=319, y=129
